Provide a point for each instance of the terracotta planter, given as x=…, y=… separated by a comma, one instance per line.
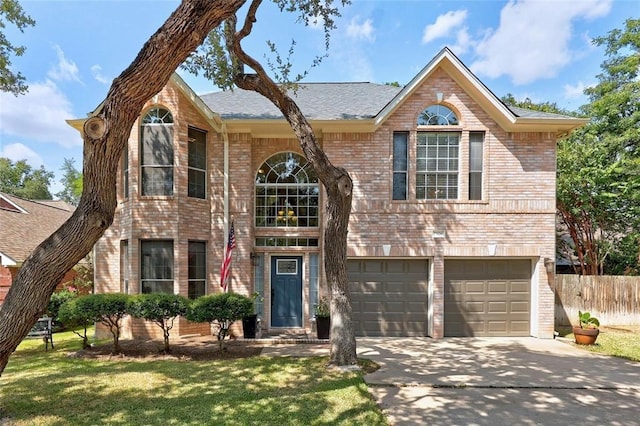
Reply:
x=323, y=327
x=585, y=336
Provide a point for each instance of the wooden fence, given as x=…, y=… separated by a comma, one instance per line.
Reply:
x=614, y=300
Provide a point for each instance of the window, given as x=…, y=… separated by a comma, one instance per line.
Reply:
x=125, y=173
x=437, y=165
x=157, y=266
x=476, y=141
x=156, y=145
x=258, y=273
x=286, y=242
x=400, y=163
x=314, y=274
x=287, y=192
x=124, y=266
x=197, y=163
x=437, y=115
x=197, y=266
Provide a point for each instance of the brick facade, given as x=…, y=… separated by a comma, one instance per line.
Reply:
x=514, y=219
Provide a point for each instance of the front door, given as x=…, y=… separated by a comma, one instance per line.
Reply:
x=286, y=291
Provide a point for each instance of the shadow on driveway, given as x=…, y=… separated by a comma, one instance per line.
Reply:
x=500, y=381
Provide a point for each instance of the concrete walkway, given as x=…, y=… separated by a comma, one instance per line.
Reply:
x=494, y=381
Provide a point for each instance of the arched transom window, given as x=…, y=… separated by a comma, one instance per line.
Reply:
x=437, y=115
x=286, y=192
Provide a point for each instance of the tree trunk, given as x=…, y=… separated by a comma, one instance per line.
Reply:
x=336, y=181
x=105, y=136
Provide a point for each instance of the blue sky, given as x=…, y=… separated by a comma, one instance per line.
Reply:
x=531, y=48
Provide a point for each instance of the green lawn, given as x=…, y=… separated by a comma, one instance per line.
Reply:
x=623, y=342
x=53, y=388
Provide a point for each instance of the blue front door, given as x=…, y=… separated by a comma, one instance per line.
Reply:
x=286, y=291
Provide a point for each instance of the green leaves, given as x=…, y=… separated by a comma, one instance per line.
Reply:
x=22, y=180
x=587, y=321
x=10, y=81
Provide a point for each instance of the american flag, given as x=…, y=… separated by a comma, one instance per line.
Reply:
x=225, y=271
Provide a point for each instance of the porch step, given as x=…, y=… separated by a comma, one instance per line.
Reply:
x=288, y=338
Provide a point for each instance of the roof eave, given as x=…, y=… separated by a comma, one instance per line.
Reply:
x=280, y=128
x=212, y=118
x=558, y=126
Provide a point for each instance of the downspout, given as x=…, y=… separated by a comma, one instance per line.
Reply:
x=225, y=191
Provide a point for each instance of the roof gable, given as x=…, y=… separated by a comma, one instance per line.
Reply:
x=510, y=119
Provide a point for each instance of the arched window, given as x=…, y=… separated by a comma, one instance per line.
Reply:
x=437, y=155
x=156, y=152
x=437, y=115
x=286, y=192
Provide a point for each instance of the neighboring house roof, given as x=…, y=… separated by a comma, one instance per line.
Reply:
x=26, y=223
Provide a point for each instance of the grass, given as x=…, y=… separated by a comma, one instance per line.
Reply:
x=53, y=388
x=615, y=341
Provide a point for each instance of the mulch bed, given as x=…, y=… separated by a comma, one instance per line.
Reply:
x=193, y=349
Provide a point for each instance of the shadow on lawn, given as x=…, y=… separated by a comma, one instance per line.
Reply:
x=56, y=389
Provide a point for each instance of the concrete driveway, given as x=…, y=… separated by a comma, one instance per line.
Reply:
x=499, y=381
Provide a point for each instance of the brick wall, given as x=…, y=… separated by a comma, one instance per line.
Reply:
x=517, y=212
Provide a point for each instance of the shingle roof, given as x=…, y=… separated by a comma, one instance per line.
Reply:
x=318, y=101
x=324, y=101
x=21, y=232
x=529, y=113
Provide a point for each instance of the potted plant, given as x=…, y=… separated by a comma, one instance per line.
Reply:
x=250, y=322
x=323, y=320
x=586, y=332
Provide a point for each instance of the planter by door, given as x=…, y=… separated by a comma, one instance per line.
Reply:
x=323, y=326
x=249, y=326
x=585, y=336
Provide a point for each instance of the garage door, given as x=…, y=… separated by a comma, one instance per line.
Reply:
x=487, y=297
x=389, y=297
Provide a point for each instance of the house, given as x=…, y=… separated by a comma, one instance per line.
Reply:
x=452, y=231
x=24, y=224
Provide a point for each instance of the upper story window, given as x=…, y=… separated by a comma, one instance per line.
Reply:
x=197, y=186
x=436, y=158
x=437, y=165
x=156, y=147
x=437, y=115
x=287, y=192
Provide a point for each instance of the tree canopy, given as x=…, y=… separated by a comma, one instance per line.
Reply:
x=599, y=165
x=24, y=181
x=71, y=183
x=10, y=80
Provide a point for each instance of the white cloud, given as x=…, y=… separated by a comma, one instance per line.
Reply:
x=64, y=70
x=361, y=31
x=96, y=71
x=574, y=91
x=17, y=151
x=463, y=42
x=39, y=115
x=444, y=25
x=532, y=41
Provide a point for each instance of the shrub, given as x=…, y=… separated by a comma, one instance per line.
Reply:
x=220, y=310
x=74, y=315
x=108, y=309
x=56, y=301
x=159, y=308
